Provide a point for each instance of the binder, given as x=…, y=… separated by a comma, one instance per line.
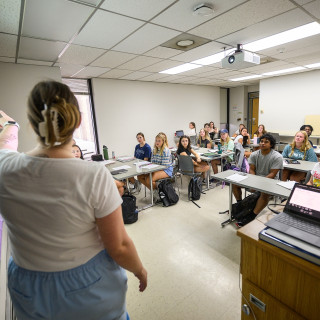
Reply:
x=293, y=245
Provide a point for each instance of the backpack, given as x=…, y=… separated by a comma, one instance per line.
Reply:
x=244, y=207
x=195, y=188
x=167, y=193
x=129, y=209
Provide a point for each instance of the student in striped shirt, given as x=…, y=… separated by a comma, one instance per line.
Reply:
x=161, y=155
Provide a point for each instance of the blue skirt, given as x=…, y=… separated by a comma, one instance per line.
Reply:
x=95, y=290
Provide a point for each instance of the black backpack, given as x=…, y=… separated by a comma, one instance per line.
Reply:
x=167, y=193
x=244, y=207
x=129, y=209
x=195, y=188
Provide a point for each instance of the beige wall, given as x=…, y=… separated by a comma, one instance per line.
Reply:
x=16, y=82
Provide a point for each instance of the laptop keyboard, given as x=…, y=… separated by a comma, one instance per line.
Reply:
x=299, y=224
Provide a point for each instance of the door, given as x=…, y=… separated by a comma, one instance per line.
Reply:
x=255, y=115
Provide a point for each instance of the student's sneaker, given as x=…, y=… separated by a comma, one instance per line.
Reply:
x=156, y=197
x=137, y=185
x=131, y=185
x=245, y=220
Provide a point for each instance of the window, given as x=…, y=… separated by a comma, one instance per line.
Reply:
x=85, y=134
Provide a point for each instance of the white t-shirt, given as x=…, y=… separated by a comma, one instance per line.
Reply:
x=50, y=206
x=192, y=132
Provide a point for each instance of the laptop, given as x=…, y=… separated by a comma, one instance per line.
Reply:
x=301, y=215
x=179, y=133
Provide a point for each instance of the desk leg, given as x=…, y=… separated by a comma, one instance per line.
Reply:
x=151, y=188
x=230, y=208
x=127, y=183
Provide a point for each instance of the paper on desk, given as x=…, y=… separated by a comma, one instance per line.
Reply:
x=236, y=177
x=121, y=167
x=142, y=163
x=150, y=166
x=287, y=184
x=108, y=161
x=125, y=158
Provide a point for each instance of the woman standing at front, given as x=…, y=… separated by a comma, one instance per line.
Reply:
x=299, y=149
x=64, y=219
x=161, y=155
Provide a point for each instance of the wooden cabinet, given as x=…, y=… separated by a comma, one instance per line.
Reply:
x=287, y=285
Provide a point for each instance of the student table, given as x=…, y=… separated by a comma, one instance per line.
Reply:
x=255, y=182
x=133, y=172
x=303, y=166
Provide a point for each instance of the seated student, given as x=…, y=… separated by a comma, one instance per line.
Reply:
x=241, y=125
x=227, y=145
x=184, y=149
x=161, y=155
x=265, y=162
x=204, y=139
x=243, y=137
x=315, y=176
x=260, y=131
x=142, y=151
x=77, y=152
x=299, y=149
x=308, y=129
x=213, y=130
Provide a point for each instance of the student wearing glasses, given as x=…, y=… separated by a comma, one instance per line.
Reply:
x=298, y=149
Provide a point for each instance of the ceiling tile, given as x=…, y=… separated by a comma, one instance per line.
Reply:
x=198, y=72
x=136, y=75
x=141, y=9
x=8, y=45
x=42, y=50
x=180, y=16
x=68, y=70
x=313, y=8
x=139, y=63
x=80, y=55
x=54, y=20
x=242, y=16
x=115, y=74
x=163, y=65
x=100, y=31
x=113, y=59
x=162, y=52
x=35, y=62
x=9, y=16
x=280, y=23
x=146, y=38
x=91, y=72
x=205, y=50
x=90, y=2
x=154, y=76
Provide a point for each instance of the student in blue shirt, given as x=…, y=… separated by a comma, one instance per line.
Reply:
x=142, y=150
x=299, y=149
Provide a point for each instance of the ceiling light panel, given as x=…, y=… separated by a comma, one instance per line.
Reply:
x=54, y=20
x=301, y=32
x=290, y=70
x=180, y=69
x=42, y=50
x=80, y=55
x=100, y=31
x=9, y=16
x=145, y=39
x=8, y=45
x=141, y=9
x=282, y=22
x=240, y=17
x=163, y=65
x=313, y=65
x=246, y=78
x=215, y=58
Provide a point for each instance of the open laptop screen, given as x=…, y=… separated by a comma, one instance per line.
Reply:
x=179, y=133
x=304, y=200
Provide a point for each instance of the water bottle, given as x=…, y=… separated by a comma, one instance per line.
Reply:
x=105, y=153
x=219, y=148
x=255, y=139
x=113, y=155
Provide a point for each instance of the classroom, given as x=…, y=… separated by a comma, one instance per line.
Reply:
x=123, y=60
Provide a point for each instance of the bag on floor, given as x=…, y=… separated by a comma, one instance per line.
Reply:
x=244, y=207
x=167, y=193
x=129, y=209
x=195, y=188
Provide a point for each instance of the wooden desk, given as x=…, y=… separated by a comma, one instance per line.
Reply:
x=287, y=284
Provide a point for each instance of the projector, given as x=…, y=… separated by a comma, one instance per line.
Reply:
x=240, y=59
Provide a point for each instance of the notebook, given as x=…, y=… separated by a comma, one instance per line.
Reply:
x=301, y=215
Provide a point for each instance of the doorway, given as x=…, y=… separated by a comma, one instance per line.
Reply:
x=253, y=112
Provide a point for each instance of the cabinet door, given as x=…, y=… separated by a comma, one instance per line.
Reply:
x=273, y=308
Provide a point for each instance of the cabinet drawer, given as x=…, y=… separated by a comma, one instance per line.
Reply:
x=273, y=308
